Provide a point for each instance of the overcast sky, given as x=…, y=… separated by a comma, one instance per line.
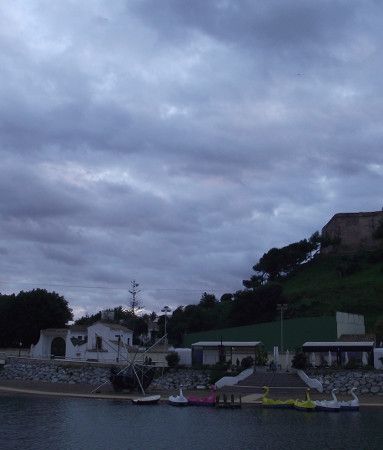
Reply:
x=174, y=142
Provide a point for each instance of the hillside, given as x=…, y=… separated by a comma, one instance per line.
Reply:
x=338, y=283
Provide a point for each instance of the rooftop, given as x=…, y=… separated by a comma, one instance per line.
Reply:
x=226, y=344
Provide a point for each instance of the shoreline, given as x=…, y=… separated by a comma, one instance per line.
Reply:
x=30, y=388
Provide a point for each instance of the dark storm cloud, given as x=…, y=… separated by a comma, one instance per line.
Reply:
x=291, y=24
x=174, y=142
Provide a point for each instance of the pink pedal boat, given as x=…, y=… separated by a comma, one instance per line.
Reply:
x=209, y=400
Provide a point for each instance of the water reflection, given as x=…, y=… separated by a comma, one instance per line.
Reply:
x=63, y=423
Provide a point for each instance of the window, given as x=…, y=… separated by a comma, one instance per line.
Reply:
x=128, y=341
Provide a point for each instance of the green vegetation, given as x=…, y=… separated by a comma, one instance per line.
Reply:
x=300, y=360
x=297, y=275
x=22, y=316
x=328, y=284
x=173, y=359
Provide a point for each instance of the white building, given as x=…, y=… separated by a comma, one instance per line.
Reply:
x=101, y=341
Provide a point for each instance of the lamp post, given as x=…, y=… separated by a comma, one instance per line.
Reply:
x=20, y=345
x=281, y=307
x=166, y=310
x=118, y=348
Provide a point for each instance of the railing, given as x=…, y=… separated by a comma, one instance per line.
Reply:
x=231, y=381
x=313, y=383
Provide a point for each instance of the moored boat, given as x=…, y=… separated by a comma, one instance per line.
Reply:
x=208, y=400
x=350, y=405
x=132, y=377
x=149, y=400
x=328, y=405
x=178, y=400
x=305, y=405
x=275, y=403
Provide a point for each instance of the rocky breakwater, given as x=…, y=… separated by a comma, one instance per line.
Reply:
x=367, y=382
x=187, y=378
x=54, y=371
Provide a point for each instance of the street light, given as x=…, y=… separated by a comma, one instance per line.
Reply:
x=281, y=307
x=166, y=310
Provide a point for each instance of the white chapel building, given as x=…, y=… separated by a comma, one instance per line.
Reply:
x=101, y=341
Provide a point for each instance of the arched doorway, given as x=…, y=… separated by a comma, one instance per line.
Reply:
x=58, y=347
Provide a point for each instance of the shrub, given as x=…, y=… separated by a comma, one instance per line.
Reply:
x=217, y=371
x=247, y=362
x=378, y=232
x=172, y=359
x=260, y=357
x=300, y=360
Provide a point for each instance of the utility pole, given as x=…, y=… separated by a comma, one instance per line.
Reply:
x=166, y=310
x=281, y=307
x=134, y=302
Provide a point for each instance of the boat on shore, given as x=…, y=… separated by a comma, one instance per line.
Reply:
x=328, y=405
x=147, y=400
x=178, y=400
x=132, y=377
x=305, y=405
x=275, y=403
x=208, y=400
x=350, y=405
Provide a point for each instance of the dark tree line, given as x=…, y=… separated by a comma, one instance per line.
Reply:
x=22, y=316
x=254, y=304
x=244, y=307
x=279, y=262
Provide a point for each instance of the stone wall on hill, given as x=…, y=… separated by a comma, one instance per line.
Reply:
x=352, y=232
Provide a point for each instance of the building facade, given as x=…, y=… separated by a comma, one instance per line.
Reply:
x=103, y=342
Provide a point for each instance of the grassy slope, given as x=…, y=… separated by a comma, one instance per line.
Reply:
x=317, y=288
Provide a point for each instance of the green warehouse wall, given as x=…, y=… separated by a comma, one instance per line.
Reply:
x=296, y=332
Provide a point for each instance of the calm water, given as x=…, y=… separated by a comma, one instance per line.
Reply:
x=63, y=423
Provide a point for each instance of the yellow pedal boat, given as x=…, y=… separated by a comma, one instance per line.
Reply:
x=305, y=405
x=275, y=403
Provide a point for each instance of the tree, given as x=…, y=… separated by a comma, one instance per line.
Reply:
x=208, y=300
x=278, y=262
x=256, y=306
x=24, y=315
x=135, y=303
x=226, y=298
x=378, y=328
x=378, y=232
x=172, y=358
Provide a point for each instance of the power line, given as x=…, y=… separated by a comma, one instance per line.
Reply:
x=79, y=286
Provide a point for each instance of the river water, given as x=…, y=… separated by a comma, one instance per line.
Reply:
x=34, y=423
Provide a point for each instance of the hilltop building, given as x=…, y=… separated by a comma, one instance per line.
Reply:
x=350, y=232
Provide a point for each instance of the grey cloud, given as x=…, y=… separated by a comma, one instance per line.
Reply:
x=175, y=142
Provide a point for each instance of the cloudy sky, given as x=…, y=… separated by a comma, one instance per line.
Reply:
x=175, y=141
